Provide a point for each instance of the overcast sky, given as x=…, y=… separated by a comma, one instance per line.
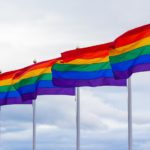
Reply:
x=42, y=29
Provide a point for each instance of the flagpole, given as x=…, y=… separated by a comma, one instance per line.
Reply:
x=0, y=120
x=130, y=144
x=0, y=126
x=78, y=118
x=34, y=124
x=34, y=119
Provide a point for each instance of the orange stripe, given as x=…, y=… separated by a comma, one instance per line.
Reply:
x=130, y=47
x=87, y=52
x=133, y=36
x=18, y=73
x=86, y=61
x=29, y=74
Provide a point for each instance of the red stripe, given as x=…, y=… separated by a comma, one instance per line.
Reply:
x=18, y=73
x=7, y=75
x=132, y=36
x=98, y=51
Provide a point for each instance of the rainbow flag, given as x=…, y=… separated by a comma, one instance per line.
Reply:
x=6, y=97
x=130, y=52
x=25, y=84
x=85, y=67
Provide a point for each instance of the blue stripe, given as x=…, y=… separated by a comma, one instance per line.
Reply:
x=27, y=89
x=45, y=84
x=33, y=87
x=9, y=94
x=82, y=75
x=123, y=66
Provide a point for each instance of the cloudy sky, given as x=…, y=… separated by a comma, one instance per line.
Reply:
x=42, y=29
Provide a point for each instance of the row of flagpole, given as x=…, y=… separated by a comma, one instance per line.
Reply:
x=78, y=119
x=130, y=138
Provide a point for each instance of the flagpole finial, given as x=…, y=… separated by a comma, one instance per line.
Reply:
x=77, y=47
x=34, y=61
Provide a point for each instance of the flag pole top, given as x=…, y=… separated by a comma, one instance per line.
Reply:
x=77, y=47
x=34, y=61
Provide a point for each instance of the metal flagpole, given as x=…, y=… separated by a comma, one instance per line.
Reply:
x=34, y=119
x=0, y=126
x=34, y=124
x=0, y=120
x=130, y=144
x=78, y=118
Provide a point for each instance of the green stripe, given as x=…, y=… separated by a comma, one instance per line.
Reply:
x=81, y=67
x=130, y=55
x=25, y=82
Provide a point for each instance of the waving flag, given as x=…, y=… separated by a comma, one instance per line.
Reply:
x=131, y=52
x=26, y=83
x=8, y=94
x=85, y=67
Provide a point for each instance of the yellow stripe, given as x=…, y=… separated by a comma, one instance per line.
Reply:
x=29, y=74
x=88, y=61
x=130, y=47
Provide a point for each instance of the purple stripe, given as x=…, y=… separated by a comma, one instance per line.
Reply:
x=126, y=74
x=56, y=91
x=28, y=102
x=13, y=101
x=92, y=83
x=27, y=98
x=23, y=99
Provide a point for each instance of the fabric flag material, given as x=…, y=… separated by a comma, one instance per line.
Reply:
x=130, y=52
x=7, y=91
x=26, y=83
x=85, y=67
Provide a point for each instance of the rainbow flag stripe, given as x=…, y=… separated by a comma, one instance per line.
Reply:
x=14, y=101
x=85, y=67
x=26, y=83
x=130, y=52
